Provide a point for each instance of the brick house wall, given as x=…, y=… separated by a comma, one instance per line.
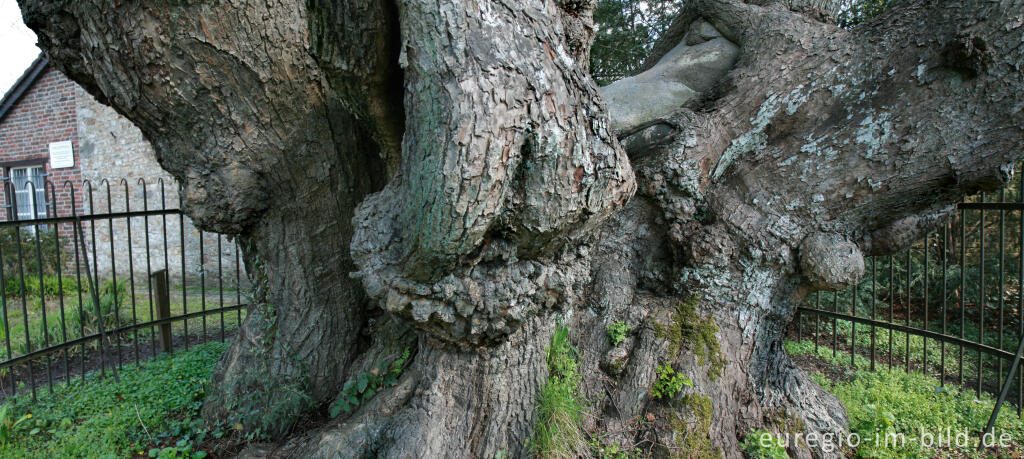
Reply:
x=44, y=114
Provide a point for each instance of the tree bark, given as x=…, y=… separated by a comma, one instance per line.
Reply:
x=445, y=176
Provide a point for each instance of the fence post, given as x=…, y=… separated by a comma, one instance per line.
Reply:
x=162, y=297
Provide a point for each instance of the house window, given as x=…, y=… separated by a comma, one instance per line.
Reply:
x=29, y=204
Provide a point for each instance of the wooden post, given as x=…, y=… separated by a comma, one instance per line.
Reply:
x=162, y=296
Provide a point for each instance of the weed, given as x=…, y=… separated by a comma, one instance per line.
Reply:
x=8, y=425
x=617, y=332
x=559, y=432
x=761, y=444
x=357, y=391
x=669, y=382
x=181, y=450
x=612, y=450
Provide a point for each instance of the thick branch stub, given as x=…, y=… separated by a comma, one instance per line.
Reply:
x=693, y=67
x=830, y=262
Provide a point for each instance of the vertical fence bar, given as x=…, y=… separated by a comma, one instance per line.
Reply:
x=94, y=281
x=42, y=289
x=799, y=319
x=163, y=223
x=853, y=326
x=159, y=280
x=7, y=318
x=131, y=270
x=817, y=320
x=906, y=349
x=238, y=284
x=835, y=331
x=942, y=344
x=981, y=296
x=1002, y=282
x=202, y=280
x=60, y=280
x=24, y=293
x=924, y=340
x=114, y=288
x=184, y=290
x=149, y=267
x=963, y=290
x=220, y=284
x=79, y=246
x=92, y=233
x=1020, y=285
x=874, y=310
x=892, y=301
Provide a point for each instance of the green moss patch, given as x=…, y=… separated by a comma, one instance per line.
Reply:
x=687, y=328
x=693, y=433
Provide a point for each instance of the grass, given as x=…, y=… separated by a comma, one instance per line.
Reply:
x=155, y=405
x=893, y=402
x=34, y=307
x=559, y=432
x=903, y=350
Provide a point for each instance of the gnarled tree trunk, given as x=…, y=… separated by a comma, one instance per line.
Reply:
x=445, y=176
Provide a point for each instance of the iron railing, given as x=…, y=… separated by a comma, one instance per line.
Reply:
x=102, y=280
x=951, y=306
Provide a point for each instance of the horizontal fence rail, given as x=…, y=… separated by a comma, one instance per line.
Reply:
x=950, y=306
x=106, y=274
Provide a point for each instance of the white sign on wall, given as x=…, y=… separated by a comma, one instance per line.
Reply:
x=61, y=155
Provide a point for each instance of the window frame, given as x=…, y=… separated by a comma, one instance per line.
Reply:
x=27, y=164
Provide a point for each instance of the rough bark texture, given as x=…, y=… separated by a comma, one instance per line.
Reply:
x=242, y=115
x=444, y=176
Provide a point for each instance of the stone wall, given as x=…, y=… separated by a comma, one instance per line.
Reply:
x=112, y=149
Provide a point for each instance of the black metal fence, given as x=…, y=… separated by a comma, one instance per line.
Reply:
x=106, y=276
x=950, y=306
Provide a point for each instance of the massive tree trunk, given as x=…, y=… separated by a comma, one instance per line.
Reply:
x=445, y=176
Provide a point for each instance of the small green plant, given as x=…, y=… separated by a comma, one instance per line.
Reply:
x=181, y=450
x=617, y=332
x=761, y=444
x=113, y=297
x=8, y=425
x=612, y=450
x=366, y=384
x=559, y=432
x=669, y=382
